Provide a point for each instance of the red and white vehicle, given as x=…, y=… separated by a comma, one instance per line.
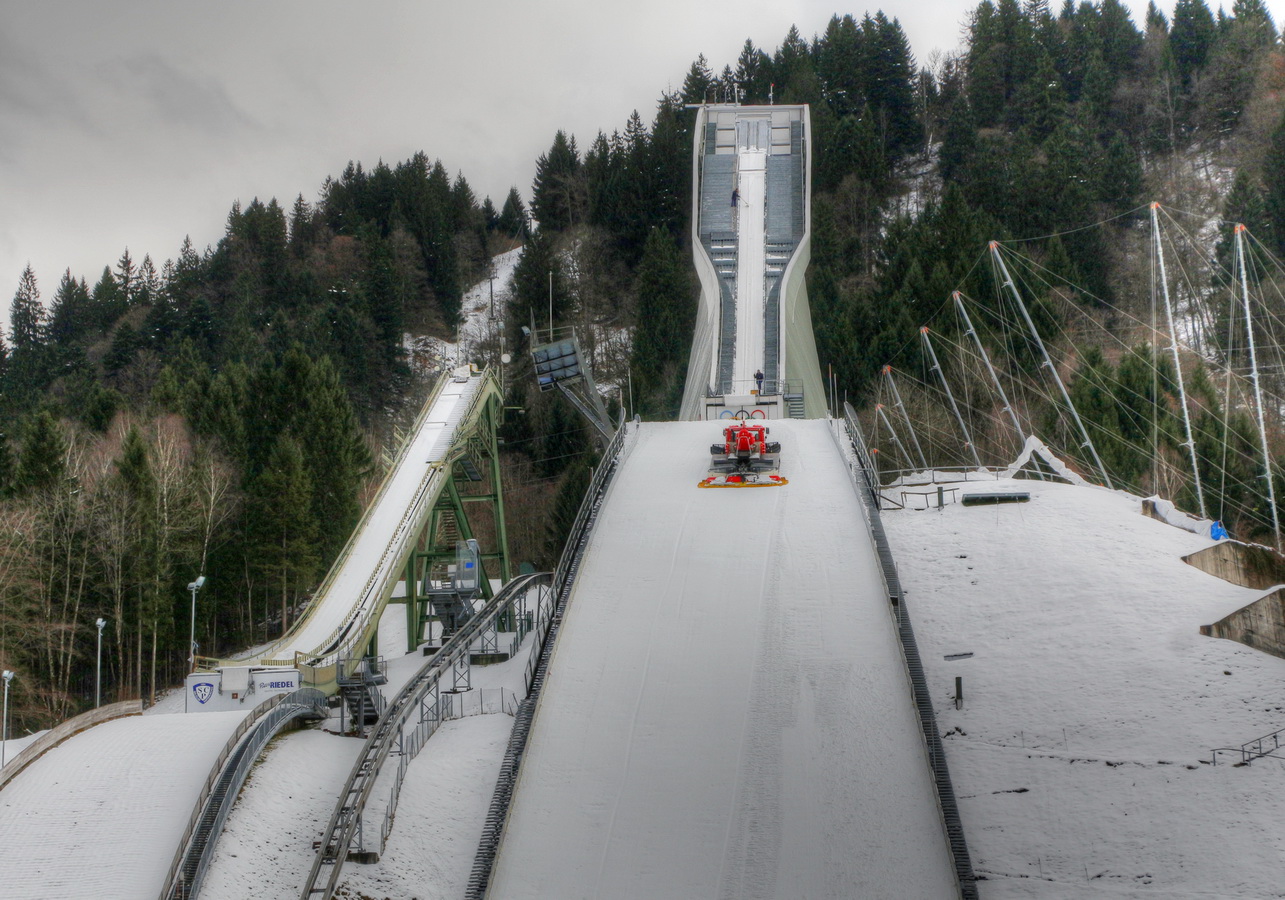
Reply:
x=746, y=458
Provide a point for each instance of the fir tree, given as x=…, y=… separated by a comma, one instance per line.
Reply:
x=513, y=216
x=41, y=462
x=284, y=525
x=1191, y=37
x=665, y=316
x=555, y=194
x=27, y=316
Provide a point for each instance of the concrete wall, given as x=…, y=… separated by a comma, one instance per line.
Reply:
x=1260, y=625
x=1248, y=565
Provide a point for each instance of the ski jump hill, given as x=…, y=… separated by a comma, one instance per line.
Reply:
x=729, y=708
x=727, y=711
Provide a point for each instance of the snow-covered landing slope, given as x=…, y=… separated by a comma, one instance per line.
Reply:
x=100, y=815
x=1091, y=700
x=727, y=713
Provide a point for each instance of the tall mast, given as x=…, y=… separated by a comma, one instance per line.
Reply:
x=1048, y=364
x=892, y=432
x=923, y=460
x=1258, y=394
x=977, y=341
x=968, y=438
x=1177, y=366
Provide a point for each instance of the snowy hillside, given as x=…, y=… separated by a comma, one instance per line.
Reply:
x=1081, y=755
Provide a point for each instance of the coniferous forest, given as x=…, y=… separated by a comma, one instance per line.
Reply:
x=224, y=412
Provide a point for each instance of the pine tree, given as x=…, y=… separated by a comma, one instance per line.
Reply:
x=513, y=216
x=42, y=459
x=556, y=192
x=27, y=316
x=284, y=525
x=663, y=329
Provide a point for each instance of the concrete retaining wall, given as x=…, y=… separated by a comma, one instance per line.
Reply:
x=1260, y=625
x=60, y=733
x=1248, y=565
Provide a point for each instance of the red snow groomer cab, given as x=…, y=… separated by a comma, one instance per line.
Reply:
x=746, y=458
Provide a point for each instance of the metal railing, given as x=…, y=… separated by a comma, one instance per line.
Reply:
x=1258, y=748
x=221, y=787
x=486, y=701
x=866, y=482
x=345, y=822
x=563, y=584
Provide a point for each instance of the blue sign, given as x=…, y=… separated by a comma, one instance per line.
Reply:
x=203, y=691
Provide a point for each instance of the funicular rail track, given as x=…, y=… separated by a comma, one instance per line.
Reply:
x=345, y=823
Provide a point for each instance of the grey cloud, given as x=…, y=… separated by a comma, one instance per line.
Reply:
x=177, y=98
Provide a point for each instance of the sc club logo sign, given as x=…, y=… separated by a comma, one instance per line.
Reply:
x=203, y=691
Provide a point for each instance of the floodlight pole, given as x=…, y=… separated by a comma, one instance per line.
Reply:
x=98, y=667
x=4, y=739
x=191, y=641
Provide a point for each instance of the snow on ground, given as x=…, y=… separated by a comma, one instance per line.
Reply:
x=430, y=354
x=1091, y=702
x=727, y=713
x=266, y=847
x=101, y=814
x=14, y=746
x=440, y=815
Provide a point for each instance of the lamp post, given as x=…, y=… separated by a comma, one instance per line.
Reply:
x=191, y=641
x=4, y=738
x=98, y=667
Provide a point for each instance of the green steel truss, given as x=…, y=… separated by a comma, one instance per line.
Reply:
x=474, y=482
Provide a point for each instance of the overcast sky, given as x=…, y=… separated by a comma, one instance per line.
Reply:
x=136, y=122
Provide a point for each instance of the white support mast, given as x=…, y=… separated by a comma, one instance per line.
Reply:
x=905, y=414
x=1048, y=364
x=893, y=433
x=1177, y=364
x=977, y=341
x=1258, y=394
x=968, y=438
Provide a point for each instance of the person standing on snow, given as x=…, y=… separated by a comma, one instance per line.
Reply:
x=758, y=380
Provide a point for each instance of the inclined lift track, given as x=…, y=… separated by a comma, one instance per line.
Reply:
x=388, y=737
x=345, y=825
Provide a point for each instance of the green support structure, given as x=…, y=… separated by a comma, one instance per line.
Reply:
x=476, y=462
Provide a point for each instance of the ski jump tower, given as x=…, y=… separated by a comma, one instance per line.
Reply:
x=751, y=205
